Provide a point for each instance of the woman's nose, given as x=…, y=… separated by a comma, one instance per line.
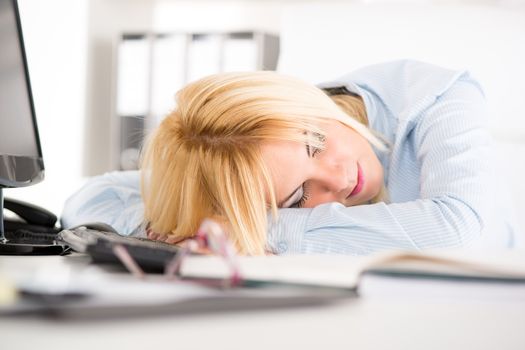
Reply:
x=334, y=178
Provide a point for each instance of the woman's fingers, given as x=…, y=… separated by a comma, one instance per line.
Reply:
x=153, y=235
x=170, y=239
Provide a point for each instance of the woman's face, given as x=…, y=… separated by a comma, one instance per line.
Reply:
x=345, y=171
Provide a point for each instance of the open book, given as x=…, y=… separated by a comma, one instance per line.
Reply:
x=338, y=271
x=345, y=271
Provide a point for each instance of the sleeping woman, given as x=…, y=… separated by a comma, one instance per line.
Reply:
x=391, y=156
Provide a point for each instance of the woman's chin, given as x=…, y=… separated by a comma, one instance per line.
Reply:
x=356, y=201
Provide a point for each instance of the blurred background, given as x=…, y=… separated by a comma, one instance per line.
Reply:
x=104, y=72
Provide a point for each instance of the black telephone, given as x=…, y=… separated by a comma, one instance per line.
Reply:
x=34, y=232
x=34, y=218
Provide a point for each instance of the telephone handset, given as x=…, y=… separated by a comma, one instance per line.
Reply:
x=34, y=218
x=33, y=232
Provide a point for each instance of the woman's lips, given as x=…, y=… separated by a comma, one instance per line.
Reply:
x=360, y=182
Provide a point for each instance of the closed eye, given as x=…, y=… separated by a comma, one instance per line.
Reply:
x=312, y=152
x=300, y=203
x=302, y=191
x=296, y=197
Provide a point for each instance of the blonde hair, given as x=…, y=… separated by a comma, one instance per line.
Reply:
x=204, y=159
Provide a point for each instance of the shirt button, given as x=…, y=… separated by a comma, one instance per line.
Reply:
x=282, y=247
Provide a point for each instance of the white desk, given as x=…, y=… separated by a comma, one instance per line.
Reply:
x=389, y=314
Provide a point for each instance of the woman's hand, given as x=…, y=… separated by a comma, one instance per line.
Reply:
x=172, y=240
x=160, y=237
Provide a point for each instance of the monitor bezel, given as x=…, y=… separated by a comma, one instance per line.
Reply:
x=35, y=166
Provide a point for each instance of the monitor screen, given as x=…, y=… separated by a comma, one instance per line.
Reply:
x=21, y=161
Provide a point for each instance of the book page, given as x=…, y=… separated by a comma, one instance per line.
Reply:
x=459, y=263
x=322, y=270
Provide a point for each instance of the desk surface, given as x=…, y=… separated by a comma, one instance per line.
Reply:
x=391, y=313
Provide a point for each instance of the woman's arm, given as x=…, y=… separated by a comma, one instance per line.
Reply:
x=113, y=198
x=453, y=149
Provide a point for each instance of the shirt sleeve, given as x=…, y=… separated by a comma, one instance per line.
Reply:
x=113, y=198
x=452, y=146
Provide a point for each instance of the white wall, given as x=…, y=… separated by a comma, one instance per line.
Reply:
x=487, y=40
x=206, y=15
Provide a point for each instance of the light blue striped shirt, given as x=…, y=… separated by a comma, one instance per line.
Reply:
x=439, y=173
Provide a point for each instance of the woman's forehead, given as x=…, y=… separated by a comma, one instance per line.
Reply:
x=276, y=153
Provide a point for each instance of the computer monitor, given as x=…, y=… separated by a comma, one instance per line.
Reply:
x=21, y=162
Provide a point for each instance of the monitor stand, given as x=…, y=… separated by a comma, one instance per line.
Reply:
x=28, y=243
